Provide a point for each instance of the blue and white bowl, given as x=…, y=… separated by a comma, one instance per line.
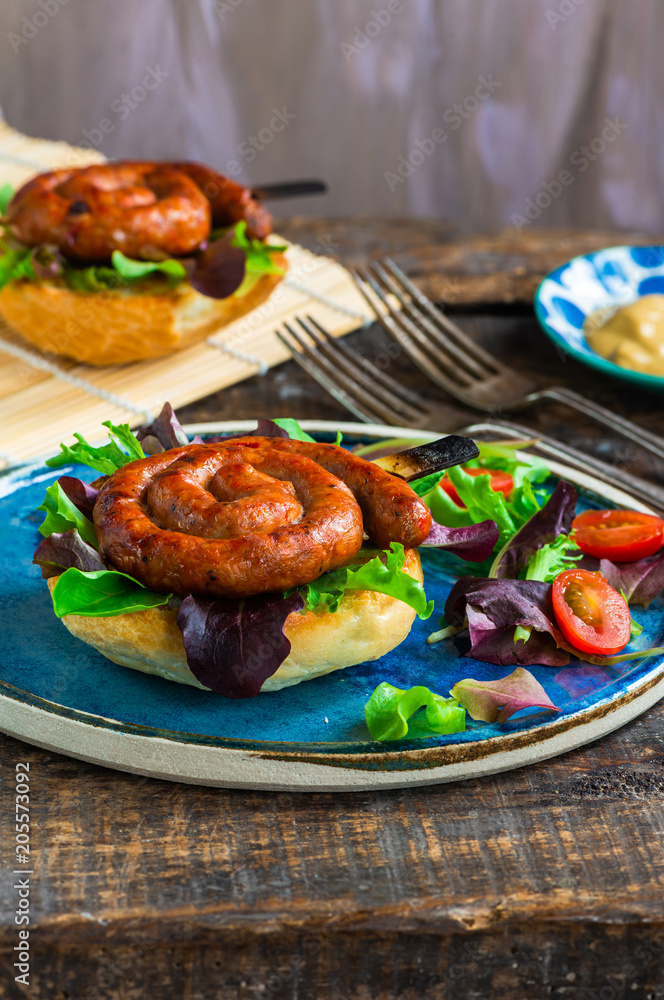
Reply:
x=606, y=278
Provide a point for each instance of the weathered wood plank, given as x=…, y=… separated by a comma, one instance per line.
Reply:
x=463, y=270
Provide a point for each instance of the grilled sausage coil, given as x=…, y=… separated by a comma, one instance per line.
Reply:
x=249, y=516
x=146, y=210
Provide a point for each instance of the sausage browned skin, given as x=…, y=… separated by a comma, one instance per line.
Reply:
x=230, y=202
x=146, y=210
x=192, y=520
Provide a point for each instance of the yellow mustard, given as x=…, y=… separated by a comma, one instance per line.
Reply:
x=631, y=336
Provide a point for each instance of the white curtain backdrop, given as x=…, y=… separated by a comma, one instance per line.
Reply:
x=483, y=111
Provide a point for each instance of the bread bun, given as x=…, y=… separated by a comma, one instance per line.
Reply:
x=366, y=625
x=121, y=325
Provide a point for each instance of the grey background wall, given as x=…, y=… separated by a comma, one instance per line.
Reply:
x=483, y=111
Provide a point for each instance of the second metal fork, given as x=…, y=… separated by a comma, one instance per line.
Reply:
x=375, y=397
x=451, y=359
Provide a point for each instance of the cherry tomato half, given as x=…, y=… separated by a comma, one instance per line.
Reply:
x=592, y=616
x=618, y=535
x=501, y=482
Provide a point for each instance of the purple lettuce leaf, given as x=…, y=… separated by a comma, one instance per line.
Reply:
x=554, y=519
x=81, y=494
x=502, y=605
x=497, y=645
x=218, y=270
x=474, y=542
x=639, y=581
x=47, y=261
x=233, y=646
x=497, y=701
x=264, y=428
x=63, y=550
x=166, y=429
x=151, y=445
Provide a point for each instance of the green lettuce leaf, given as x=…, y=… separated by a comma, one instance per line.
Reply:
x=389, y=708
x=508, y=458
x=107, y=458
x=15, y=264
x=96, y=278
x=259, y=259
x=101, y=594
x=482, y=503
x=132, y=270
x=62, y=515
x=293, y=429
x=6, y=195
x=383, y=574
x=553, y=559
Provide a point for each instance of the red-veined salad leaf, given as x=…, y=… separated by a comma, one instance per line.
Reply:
x=544, y=526
x=166, y=429
x=63, y=515
x=383, y=573
x=497, y=701
x=233, y=646
x=389, y=708
x=81, y=494
x=218, y=270
x=494, y=608
x=102, y=594
x=473, y=542
x=640, y=582
x=62, y=550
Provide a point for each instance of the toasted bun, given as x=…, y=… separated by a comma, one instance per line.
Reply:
x=367, y=625
x=127, y=324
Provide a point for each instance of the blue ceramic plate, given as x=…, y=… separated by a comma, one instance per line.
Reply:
x=611, y=277
x=59, y=693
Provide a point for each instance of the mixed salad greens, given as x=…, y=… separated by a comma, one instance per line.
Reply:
x=556, y=585
x=528, y=591
x=229, y=263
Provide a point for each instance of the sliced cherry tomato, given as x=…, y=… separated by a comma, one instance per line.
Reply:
x=618, y=535
x=501, y=482
x=592, y=616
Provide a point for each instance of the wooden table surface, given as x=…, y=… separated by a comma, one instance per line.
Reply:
x=542, y=882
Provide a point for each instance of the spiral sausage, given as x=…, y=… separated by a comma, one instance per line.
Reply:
x=144, y=209
x=249, y=516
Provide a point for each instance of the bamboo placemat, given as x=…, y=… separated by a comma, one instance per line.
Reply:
x=44, y=399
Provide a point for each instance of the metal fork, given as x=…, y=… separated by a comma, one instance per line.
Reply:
x=374, y=396
x=354, y=381
x=452, y=360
